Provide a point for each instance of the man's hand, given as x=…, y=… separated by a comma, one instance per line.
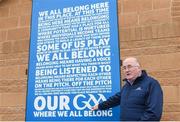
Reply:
x=94, y=107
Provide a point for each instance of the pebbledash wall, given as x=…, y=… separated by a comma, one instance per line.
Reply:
x=148, y=29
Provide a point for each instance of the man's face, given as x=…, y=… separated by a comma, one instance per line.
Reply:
x=131, y=69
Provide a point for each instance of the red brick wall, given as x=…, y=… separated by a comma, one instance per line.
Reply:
x=149, y=30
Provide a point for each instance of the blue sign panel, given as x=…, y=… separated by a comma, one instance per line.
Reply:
x=74, y=60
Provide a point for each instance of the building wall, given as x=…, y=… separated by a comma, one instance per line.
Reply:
x=148, y=29
x=14, y=45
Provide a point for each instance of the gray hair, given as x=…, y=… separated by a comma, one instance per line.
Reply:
x=133, y=59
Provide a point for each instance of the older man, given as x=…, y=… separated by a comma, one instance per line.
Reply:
x=141, y=98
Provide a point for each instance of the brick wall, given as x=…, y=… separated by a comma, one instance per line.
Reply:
x=14, y=47
x=149, y=30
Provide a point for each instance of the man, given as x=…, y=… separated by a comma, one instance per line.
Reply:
x=141, y=98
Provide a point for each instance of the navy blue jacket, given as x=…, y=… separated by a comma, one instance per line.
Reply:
x=142, y=101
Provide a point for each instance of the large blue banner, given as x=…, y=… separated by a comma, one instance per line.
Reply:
x=73, y=61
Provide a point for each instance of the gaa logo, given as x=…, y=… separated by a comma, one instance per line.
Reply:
x=82, y=102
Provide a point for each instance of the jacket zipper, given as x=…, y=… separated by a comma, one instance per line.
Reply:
x=127, y=95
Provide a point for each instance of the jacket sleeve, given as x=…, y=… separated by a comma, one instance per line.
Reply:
x=111, y=102
x=154, y=103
